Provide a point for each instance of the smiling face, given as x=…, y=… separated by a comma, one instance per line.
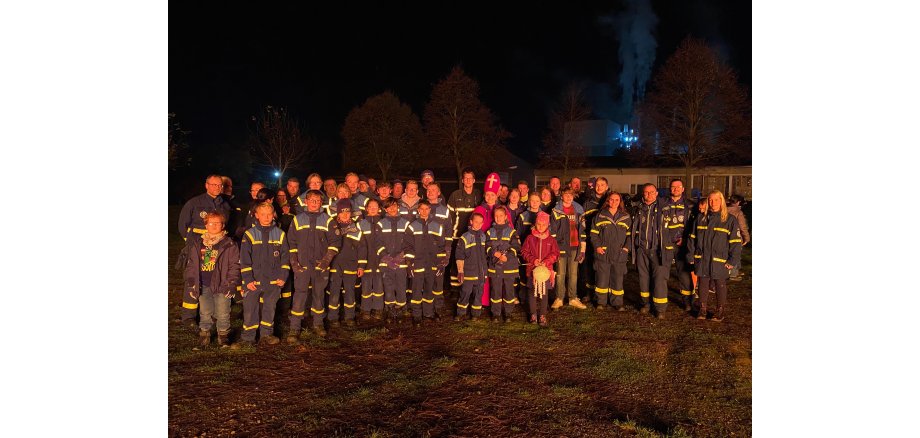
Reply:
x=315, y=183
x=215, y=224
x=491, y=197
x=677, y=189
x=613, y=202
x=715, y=202
x=423, y=211
x=649, y=194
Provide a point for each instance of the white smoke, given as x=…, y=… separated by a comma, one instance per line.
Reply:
x=635, y=31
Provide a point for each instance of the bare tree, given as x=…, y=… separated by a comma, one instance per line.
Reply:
x=279, y=140
x=696, y=113
x=458, y=127
x=381, y=134
x=563, y=146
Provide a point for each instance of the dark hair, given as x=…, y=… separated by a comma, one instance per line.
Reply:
x=675, y=179
x=389, y=202
x=293, y=179
x=468, y=170
x=369, y=200
x=476, y=213
x=383, y=184
x=266, y=195
x=601, y=178
x=736, y=199
x=424, y=202
x=523, y=182
x=311, y=193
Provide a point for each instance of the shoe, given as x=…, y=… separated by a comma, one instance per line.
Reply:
x=240, y=344
x=688, y=304
x=644, y=309
x=204, y=339
x=601, y=307
x=702, y=313
x=365, y=317
x=585, y=300
x=269, y=340
x=577, y=304
x=416, y=321
x=223, y=339
x=557, y=304
x=334, y=324
x=293, y=338
x=543, y=322
x=660, y=315
x=319, y=331
x=495, y=318
x=458, y=318
x=190, y=324
x=377, y=316
x=533, y=319
x=349, y=323
x=509, y=318
x=436, y=317
x=719, y=316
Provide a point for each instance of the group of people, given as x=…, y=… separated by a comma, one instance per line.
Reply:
x=391, y=247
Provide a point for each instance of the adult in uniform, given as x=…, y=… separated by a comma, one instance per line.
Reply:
x=677, y=209
x=611, y=239
x=463, y=201
x=191, y=221
x=655, y=248
x=714, y=248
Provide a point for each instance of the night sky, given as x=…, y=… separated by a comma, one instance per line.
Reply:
x=321, y=60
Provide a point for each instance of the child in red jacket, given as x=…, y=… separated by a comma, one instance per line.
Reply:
x=540, y=252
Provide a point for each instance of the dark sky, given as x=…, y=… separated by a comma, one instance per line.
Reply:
x=320, y=60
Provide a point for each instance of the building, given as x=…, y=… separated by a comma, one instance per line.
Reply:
x=728, y=179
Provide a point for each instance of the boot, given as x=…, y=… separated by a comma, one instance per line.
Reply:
x=688, y=303
x=270, y=340
x=365, y=317
x=204, y=339
x=293, y=337
x=719, y=316
x=702, y=314
x=319, y=331
x=349, y=323
x=223, y=339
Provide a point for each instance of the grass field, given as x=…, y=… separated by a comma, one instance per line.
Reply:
x=590, y=373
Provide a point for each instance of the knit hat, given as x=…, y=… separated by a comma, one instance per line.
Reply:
x=343, y=205
x=427, y=172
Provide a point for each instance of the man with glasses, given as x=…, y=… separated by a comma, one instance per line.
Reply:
x=191, y=220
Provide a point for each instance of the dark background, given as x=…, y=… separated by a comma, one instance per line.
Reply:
x=321, y=60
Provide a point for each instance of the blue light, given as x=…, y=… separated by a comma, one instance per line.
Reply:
x=277, y=174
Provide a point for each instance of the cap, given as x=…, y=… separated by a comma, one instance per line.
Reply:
x=427, y=172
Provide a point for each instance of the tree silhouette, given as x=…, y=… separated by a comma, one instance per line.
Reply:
x=695, y=113
x=458, y=127
x=381, y=134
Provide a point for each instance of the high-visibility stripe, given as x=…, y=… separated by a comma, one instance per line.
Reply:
x=595, y=232
x=692, y=236
x=510, y=301
x=470, y=278
x=275, y=282
x=285, y=294
x=685, y=292
x=415, y=302
x=349, y=307
x=389, y=302
x=644, y=294
x=427, y=300
x=297, y=313
x=722, y=230
x=716, y=259
x=246, y=269
x=669, y=247
x=616, y=292
x=660, y=300
x=419, y=270
x=261, y=301
x=252, y=327
x=623, y=224
x=267, y=324
x=702, y=227
x=601, y=290
x=292, y=250
x=347, y=272
x=437, y=293
x=495, y=301
x=477, y=307
x=366, y=296
x=441, y=255
x=462, y=306
x=380, y=294
x=491, y=271
x=697, y=256
x=734, y=241
x=601, y=223
x=380, y=250
x=331, y=307
x=333, y=248
x=191, y=306
x=318, y=312
x=675, y=226
x=199, y=231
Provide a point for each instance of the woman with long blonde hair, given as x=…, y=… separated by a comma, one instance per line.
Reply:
x=714, y=248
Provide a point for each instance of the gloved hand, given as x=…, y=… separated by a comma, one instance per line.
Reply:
x=295, y=263
x=442, y=265
x=229, y=293
x=324, y=263
x=580, y=257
